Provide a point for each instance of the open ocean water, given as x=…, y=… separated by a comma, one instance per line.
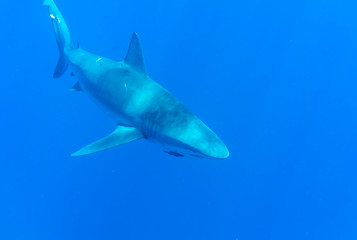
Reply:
x=276, y=80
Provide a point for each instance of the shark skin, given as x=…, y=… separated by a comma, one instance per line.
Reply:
x=140, y=106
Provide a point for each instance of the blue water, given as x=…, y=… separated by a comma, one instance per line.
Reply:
x=276, y=80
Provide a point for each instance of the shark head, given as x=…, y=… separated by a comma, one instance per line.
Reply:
x=204, y=141
x=209, y=146
x=186, y=135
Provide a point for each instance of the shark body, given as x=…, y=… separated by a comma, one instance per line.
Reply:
x=140, y=106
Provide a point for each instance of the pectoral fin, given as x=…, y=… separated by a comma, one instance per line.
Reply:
x=121, y=135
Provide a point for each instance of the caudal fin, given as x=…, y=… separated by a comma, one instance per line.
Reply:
x=63, y=37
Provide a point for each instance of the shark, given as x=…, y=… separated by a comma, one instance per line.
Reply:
x=140, y=107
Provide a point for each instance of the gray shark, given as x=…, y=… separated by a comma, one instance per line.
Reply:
x=140, y=106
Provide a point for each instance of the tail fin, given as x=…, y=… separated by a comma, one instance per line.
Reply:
x=63, y=37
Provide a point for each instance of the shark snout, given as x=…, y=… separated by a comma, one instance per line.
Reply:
x=223, y=153
x=212, y=147
x=219, y=150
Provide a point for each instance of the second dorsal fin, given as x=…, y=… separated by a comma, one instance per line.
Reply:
x=134, y=56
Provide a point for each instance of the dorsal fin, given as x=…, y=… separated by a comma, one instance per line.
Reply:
x=134, y=56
